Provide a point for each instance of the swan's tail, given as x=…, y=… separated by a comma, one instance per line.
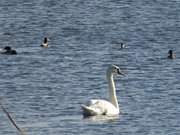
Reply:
x=89, y=111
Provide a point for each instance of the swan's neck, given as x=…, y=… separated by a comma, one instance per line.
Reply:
x=112, y=90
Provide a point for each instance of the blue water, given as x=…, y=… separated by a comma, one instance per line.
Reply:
x=43, y=88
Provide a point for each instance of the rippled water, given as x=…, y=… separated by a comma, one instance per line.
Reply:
x=43, y=89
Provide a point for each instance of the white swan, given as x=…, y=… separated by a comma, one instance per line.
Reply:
x=103, y=107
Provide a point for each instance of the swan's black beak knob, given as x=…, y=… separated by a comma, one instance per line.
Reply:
x=120, y=72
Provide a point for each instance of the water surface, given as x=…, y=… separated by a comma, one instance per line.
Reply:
x=43, y=89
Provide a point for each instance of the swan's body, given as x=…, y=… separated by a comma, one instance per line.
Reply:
x=103, y=107
x=99, y=107
x=45, y=43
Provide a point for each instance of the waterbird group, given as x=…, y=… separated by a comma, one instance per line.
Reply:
x=95, y=106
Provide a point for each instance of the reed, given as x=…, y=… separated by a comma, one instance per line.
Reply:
x=21, y=132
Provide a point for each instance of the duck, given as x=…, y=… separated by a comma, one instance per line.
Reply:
x=119, y=45
x=45, y=43
x=171, y=54
x=101, y=107
x=122, y=45
x=8, y=50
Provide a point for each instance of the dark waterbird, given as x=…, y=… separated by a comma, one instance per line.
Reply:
x=45, y=43
x=8, y=50
x=171, y=54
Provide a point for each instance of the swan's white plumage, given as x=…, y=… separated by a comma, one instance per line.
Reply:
x=99, y=107
x=103, y=107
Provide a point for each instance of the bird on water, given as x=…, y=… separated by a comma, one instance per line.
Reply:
x=105, y=107
x=45, y=43
x=171, y=54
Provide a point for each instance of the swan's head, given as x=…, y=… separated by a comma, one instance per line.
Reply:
x=115, y=70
